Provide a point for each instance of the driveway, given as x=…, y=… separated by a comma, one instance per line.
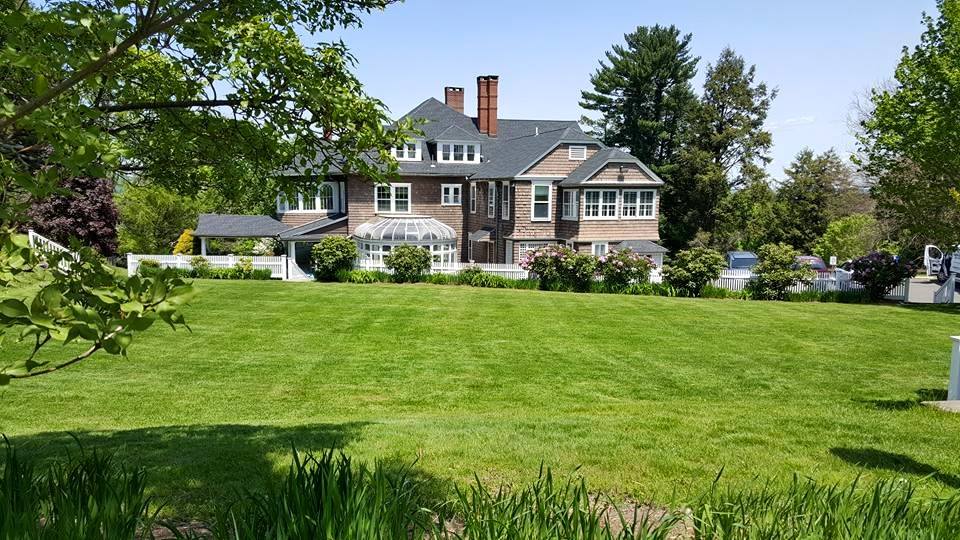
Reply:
x=922, y=289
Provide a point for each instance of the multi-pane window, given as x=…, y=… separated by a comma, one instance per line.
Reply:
x=473, y=198
x=505, y=201
x=491, y=199
x=600, y=248
x=408, y=152
x=450, y=195
x=394, y=198
x=646, y=203
x=540, y=202
x=324, y=199
x=458, y=152
x=569, y=209
x=629, y=207
x=600, y=203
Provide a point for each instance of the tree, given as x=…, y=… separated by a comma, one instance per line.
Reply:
x=184, y=245
x=193, y=95
x=849, y=237
x=728, y=124
x=910, y=144
x=153, y=218
x=801, y=204
x=82, y=210
x=643, y=94
x=746, y=218
x=724, y=149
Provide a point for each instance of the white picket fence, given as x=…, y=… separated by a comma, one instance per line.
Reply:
x=278, y=266
x=44, y=244
x=511, y=271
x=838, y=280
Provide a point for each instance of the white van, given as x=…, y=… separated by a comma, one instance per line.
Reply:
x=941, y=264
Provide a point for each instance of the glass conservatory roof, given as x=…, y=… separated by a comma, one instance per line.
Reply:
x=405, y=229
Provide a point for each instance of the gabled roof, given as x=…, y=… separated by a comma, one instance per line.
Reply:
x=642, y=246
x=601, y=159
x=456, y=133
x=237, y=226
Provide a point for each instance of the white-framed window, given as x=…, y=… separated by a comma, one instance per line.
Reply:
x=450, y=194
x=646, y=203
x=473, y=198
x=526, y=247
x=392, y=199
x=577, y=153
x=505, y=201
x=541, y=200
x=569, y=208
x=324, y=200
x=600, y=204
x=410, y=151
x=491, y=199
x=457, y=152
x=600, y=248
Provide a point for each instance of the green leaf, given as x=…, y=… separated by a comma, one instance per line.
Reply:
x=13, y=308
x=132, y=307
x=40, y=84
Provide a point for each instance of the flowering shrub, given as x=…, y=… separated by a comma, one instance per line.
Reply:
x=880, y=272
x=184, y=243
x=409, y=263
x=692, y=269
x=559, y=268
x=331, y=255
x=621, y=268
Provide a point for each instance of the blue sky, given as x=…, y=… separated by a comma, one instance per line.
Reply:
x=819, y=54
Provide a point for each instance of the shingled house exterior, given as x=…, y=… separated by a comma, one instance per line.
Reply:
x=481, y=189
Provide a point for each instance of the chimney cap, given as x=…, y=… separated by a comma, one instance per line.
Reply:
x=454, y=88
x=493, y=77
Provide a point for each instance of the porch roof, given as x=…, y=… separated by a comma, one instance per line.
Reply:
x=237, y=226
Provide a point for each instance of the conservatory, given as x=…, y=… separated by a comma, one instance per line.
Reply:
x=376, y=238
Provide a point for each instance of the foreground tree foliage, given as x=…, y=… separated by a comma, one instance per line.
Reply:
x=910, y=144
x=192, y=95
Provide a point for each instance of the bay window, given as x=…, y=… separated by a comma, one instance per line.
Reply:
x=569, y=209
x=505, y=201
x=600, y=204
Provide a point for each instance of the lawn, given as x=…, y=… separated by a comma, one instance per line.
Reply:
x=650, y=396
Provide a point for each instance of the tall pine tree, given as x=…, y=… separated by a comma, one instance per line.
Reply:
x=643, y=94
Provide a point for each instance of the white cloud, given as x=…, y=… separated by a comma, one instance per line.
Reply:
x=791, y=123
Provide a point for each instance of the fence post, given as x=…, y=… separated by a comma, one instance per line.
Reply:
x=230, y=262
x=906, y=291
x=131, y=264
x=285, y=269
x=953, y=390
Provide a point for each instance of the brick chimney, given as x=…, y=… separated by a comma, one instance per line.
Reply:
x=487, y=104
x=453, y=97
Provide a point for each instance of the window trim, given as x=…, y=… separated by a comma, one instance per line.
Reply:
x=600, y=205
x=393, y=199
x=533, y=200
x=579, y=147
x=595, y=245
x=574, y=204
x=418, y=153
x=653, y=203
x=492, y=200
x=459, y=194
x=473, y=197
x=466, y=151
x=505, y=200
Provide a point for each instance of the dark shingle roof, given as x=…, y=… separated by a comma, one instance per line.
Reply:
x=234, y=226
x=312, y=230
x=597, y=161
x=642, y=246
x=456, y=133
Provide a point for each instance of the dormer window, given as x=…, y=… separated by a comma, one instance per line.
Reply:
x=577, y=153
x=408, y=152
x=454, y=152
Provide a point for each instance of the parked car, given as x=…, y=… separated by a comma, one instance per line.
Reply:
x=815, y=263
x=741, y=259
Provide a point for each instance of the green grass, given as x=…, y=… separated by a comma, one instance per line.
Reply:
x=651, y=396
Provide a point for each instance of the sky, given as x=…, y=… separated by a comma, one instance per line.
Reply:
x=820, y=55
